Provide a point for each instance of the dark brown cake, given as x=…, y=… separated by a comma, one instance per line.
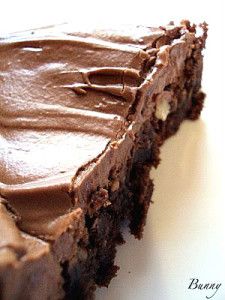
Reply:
x=82, y=117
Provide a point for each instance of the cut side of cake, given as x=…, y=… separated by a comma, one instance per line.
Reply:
x=83, y=115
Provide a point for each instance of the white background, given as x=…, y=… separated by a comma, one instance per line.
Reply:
x=185, y=233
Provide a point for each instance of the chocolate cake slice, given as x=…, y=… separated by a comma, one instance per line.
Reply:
x=82, y=117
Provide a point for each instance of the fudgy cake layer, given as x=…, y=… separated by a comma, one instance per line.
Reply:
x=82, y=117
x=131, y=201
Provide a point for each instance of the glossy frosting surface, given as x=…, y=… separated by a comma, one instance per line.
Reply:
x=64, y=96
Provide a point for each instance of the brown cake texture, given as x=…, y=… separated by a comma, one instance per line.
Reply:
x=83, y=115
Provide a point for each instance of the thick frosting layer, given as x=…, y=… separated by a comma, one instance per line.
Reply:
x=62, y=100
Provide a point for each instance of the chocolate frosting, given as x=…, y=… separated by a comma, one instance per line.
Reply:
x=65, y=96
